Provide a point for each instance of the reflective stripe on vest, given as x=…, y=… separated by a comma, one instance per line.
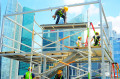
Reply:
x=27, y=75
x=78, y=44
x=96, y=39
x=60, y=13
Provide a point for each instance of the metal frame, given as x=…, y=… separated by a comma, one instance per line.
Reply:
x=43, y=54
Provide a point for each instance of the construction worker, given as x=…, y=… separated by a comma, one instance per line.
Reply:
x=59, y=75
x=96, y=39
x=79, y=43
x=61, y=12
x=27, y=74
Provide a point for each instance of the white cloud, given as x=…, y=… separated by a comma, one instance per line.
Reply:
x=93, y=10
x=74, y=10
x=115, y=23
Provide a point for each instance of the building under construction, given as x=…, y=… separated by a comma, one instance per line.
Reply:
x=28, y=43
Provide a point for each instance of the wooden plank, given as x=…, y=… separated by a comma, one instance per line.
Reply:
x=86, y=47
x=7, y=52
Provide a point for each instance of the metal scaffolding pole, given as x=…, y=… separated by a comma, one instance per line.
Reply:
x=39, y=10
x=89, y=72
x=16, y=69
x=2, y=32
x=101, y=30
x=32, y=48
x=89, y=49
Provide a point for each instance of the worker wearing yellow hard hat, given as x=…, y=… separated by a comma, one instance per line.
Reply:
x=29, y=75
x=61, y=12
x=79, y=43
x=59, y=75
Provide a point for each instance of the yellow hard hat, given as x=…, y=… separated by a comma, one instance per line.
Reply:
x=79, y=37
x=59, y=72
x=66, y=8
x=29, y=68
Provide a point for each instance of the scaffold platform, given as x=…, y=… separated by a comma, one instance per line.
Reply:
x=60, y=55
x=64, y=26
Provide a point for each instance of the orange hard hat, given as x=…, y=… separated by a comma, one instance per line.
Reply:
x=59, y=72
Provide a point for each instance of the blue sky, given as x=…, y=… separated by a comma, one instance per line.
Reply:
x=111, y=9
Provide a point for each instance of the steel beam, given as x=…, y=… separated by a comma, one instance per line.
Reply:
x=101, y=30
x=46, y=9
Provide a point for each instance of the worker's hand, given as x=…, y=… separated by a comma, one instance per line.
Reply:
x=54, y=16
x=65, y=23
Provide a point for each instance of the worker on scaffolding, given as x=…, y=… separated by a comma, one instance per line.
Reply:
x=27, y=74
x=96, y=39
x=61, y=12
x=79, y=43
x=59, y=75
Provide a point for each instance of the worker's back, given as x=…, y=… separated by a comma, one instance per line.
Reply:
x=57, y=77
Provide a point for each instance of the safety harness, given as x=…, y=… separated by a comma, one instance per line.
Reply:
x=86, y=44
x=60, y=12
x=95, y=41
x=57, y=76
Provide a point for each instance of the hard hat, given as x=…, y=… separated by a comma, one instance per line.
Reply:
x=97, y=33
x=59, y=72
x=66, y=8
x=29, y=68
x=79, y=37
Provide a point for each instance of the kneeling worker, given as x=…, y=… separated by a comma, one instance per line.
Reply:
x=96, y=39
x=59, y=75
x=26, y=76
x=61, y=12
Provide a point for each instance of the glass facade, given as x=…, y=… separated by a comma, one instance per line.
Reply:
x=116, y=47
x=11, y=31
x=11, y=68
x=26, y=38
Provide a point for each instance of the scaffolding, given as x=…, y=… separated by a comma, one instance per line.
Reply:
x=63, y=58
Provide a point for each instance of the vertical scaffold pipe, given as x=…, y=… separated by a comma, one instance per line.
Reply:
x=101, y=32
x=89, y=55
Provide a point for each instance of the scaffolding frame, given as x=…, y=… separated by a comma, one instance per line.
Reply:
x=43, y=56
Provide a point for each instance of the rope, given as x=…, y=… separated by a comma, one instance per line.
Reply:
x=86, y=44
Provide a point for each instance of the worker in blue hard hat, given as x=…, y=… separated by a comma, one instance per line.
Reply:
x=29, y=75
x=61, y=12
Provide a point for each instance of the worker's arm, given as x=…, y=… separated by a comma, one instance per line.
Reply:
x=91, y=40
x=24, y=76
x=76, y=43
x=83, y=43
x=54, y=16
x=65, y=17
x=33, y=75
x=99, y=39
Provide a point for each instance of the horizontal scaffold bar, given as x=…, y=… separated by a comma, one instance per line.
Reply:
x=46, y=9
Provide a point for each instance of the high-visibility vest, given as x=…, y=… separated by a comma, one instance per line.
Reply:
x=57, y=76
x=78, y=44
x=60, y=12
x=95, y=41
x=27, y=75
